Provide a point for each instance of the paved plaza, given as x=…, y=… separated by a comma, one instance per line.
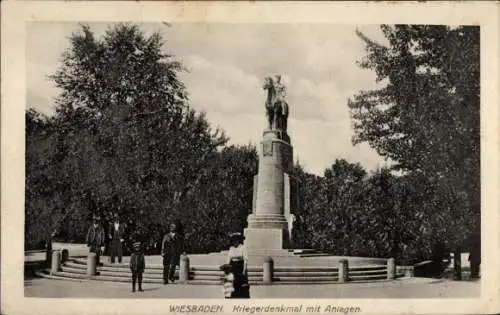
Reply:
x=403, y=288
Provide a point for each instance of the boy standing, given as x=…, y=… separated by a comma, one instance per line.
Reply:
x=137, y=266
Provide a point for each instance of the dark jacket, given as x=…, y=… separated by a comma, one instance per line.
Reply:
x=95, y=236
x=137, y=263
x=172, y=245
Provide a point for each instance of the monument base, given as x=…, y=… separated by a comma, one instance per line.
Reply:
x=267, y=221
x=266, y=240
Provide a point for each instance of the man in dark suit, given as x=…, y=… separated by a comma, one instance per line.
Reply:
x=95, y=238
x=116, y=238
x=171, y=249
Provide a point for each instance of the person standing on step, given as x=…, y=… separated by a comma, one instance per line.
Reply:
x=137, y=266
x=116, y=238
x=172, y=247
x=238, y=260
x=95, y=238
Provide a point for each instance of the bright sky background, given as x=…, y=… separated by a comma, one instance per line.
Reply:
x=227, y=64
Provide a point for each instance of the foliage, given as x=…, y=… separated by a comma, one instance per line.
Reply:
x=222, y=200
x=425, y=114
x=350, y=212
x=123, y=139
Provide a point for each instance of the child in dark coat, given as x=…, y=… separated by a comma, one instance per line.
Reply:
x=137, y=266
x=227, y=281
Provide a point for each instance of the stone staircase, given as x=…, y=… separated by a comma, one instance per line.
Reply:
x=76, y=269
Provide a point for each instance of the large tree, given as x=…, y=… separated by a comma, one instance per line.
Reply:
x=425, y=114
x=123, y=137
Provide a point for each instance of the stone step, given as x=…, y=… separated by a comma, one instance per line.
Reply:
x=127, y=274
x=104, y=272
x=217, y=277
x=312, y=255
x=367, y=272
x=194, y=271
x=367, y=277
x=281, y=276
x=215, y=274
x=74, y=265
x=308, y=278
x=331, y=269
x=368, y=268
x=297, y=281
x=47, y=275
x=83, y=261
x=256, y=272
x=289, y=274
x=155, y=268
x=213, y=268
x=81, y=278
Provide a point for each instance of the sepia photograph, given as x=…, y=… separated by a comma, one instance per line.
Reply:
x=216, y=160
x=163, y=156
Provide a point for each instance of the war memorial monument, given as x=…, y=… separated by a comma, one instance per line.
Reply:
x=268, y=236
x=274, y=193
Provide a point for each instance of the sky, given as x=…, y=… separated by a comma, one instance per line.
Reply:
x=227, y=64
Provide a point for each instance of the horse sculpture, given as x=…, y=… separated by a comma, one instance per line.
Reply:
x=276, y=107
x=271, y=98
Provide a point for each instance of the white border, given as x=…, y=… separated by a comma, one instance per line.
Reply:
x=15, y=15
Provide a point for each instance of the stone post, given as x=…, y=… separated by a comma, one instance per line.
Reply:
x=184, y=269
x=410, y=272
x=268, y=270
x=343, y=270
x=91, y=264
x=56, y=262
x=457, y=265
x=64, y=255
x=391, y=269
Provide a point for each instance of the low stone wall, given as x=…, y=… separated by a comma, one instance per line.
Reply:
x=75, y=250
x=405, y=271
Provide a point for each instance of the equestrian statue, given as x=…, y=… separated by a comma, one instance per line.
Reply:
x=276, y=106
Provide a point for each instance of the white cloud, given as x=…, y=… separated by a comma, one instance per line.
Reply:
x=226, y=68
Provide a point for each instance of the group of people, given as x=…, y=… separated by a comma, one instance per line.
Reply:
x=171, y=249
x=96, y=238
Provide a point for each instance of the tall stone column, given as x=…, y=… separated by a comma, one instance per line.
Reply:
x=267, y=225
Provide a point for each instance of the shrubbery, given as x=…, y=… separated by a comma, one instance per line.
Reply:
x=123, y=139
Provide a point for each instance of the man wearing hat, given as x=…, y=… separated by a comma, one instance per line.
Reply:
x=116, y=234
x=95, y=238
x=137, y=265
x=171, y=250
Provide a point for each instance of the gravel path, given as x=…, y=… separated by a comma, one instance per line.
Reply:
x=404, y=288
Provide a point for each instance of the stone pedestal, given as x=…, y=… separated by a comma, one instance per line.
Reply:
x=268, y=227
x=55, y=262
x=261, y=240
x=91, y=264
x=391, y=269
x=184, y=269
